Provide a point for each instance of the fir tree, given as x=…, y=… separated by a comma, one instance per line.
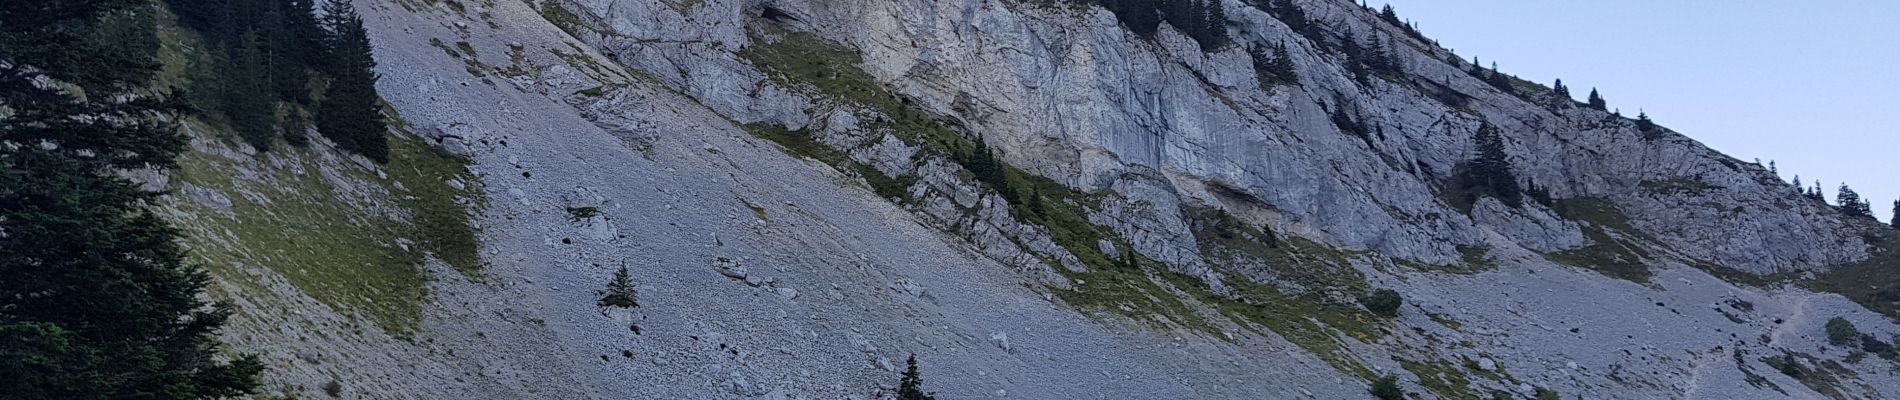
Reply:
x=1276, y=70
x=97, y=300
x=1851, y=203
x=247, y=100
x=1561, y=90
x=911, y=385
x=1643, y=123
x=1596, y=100
x=1896, y=215
x=619, y=291
x=350, y=114
x=1488, y=173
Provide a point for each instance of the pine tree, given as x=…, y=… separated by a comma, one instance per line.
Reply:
x=1798, y=189
x=619, y=291
x=1896, y=214
x=1643, y=123
x=248, y=100
x=1772, y=169
x=97, y=301
x=1488, y=173
x=350, y=113
x=1596, y=100
x=1851, y=203
x=1276, y=70
x=1561, y=90
x=911, y=385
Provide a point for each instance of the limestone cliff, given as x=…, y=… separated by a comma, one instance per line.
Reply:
x=803, y=194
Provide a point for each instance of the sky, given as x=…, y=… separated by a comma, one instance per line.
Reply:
x=1813, y=86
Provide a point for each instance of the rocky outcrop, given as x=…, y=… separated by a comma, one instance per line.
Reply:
x=791, y=196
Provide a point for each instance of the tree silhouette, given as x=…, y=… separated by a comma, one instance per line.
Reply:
x=911, y=385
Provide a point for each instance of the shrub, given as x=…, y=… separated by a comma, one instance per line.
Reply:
x=1840, y=332
x=1386, y=388
x=1384, y=302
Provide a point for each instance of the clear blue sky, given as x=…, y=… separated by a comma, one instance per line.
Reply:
x=1814, y=86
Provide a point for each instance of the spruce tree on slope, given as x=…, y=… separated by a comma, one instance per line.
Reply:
x=1596, y=100
x=911, y=386
x=1851, y=203
x=1489, y=171
x=97, y=301
x=350, y=113
x=1896, y=215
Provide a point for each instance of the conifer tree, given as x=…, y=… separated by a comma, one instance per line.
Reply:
x=350, y=113
x=1643, y=123
x=911, y=385
x=1896, y=215
x=1851, y=203
x=1596, y=100
x=1488, y=173
x=248, y=100
x=619, y=291
x=96, y=299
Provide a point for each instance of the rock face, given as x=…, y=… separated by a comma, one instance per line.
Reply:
x=1219, y=227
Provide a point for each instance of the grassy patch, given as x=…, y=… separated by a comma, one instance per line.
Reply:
x=330, y=242
x=831, y=69
x=1822, y=376
x=1441, y=377
x=439, y=192
x=568, y=21
x=1309, y=319
x=1875, y=282
x=1611, y=252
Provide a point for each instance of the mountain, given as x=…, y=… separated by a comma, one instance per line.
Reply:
x=1037, y=199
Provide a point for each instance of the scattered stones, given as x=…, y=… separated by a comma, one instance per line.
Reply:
x=729, y=268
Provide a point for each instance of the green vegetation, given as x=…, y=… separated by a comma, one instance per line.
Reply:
x=1871, y=282
x=567, y=21
x=619, y=291
x=1852, y=205
x=578, y=214
x=1679, y=186
x=99, y=301
x=351, y=113
x=911, y=386
x=1386, y=388
x=1202, y=20
x=1840, y=332
x=1611, y=251
x=1488, y=173
x=1440, y=377
x=1384, y=302
x=1547, y=394
x=1276, y=69
x=1128, y=284
x=261, y=61
x=1822, y=376
x=345, y=254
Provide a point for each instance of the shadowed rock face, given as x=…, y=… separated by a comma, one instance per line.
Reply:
x=785, y=183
